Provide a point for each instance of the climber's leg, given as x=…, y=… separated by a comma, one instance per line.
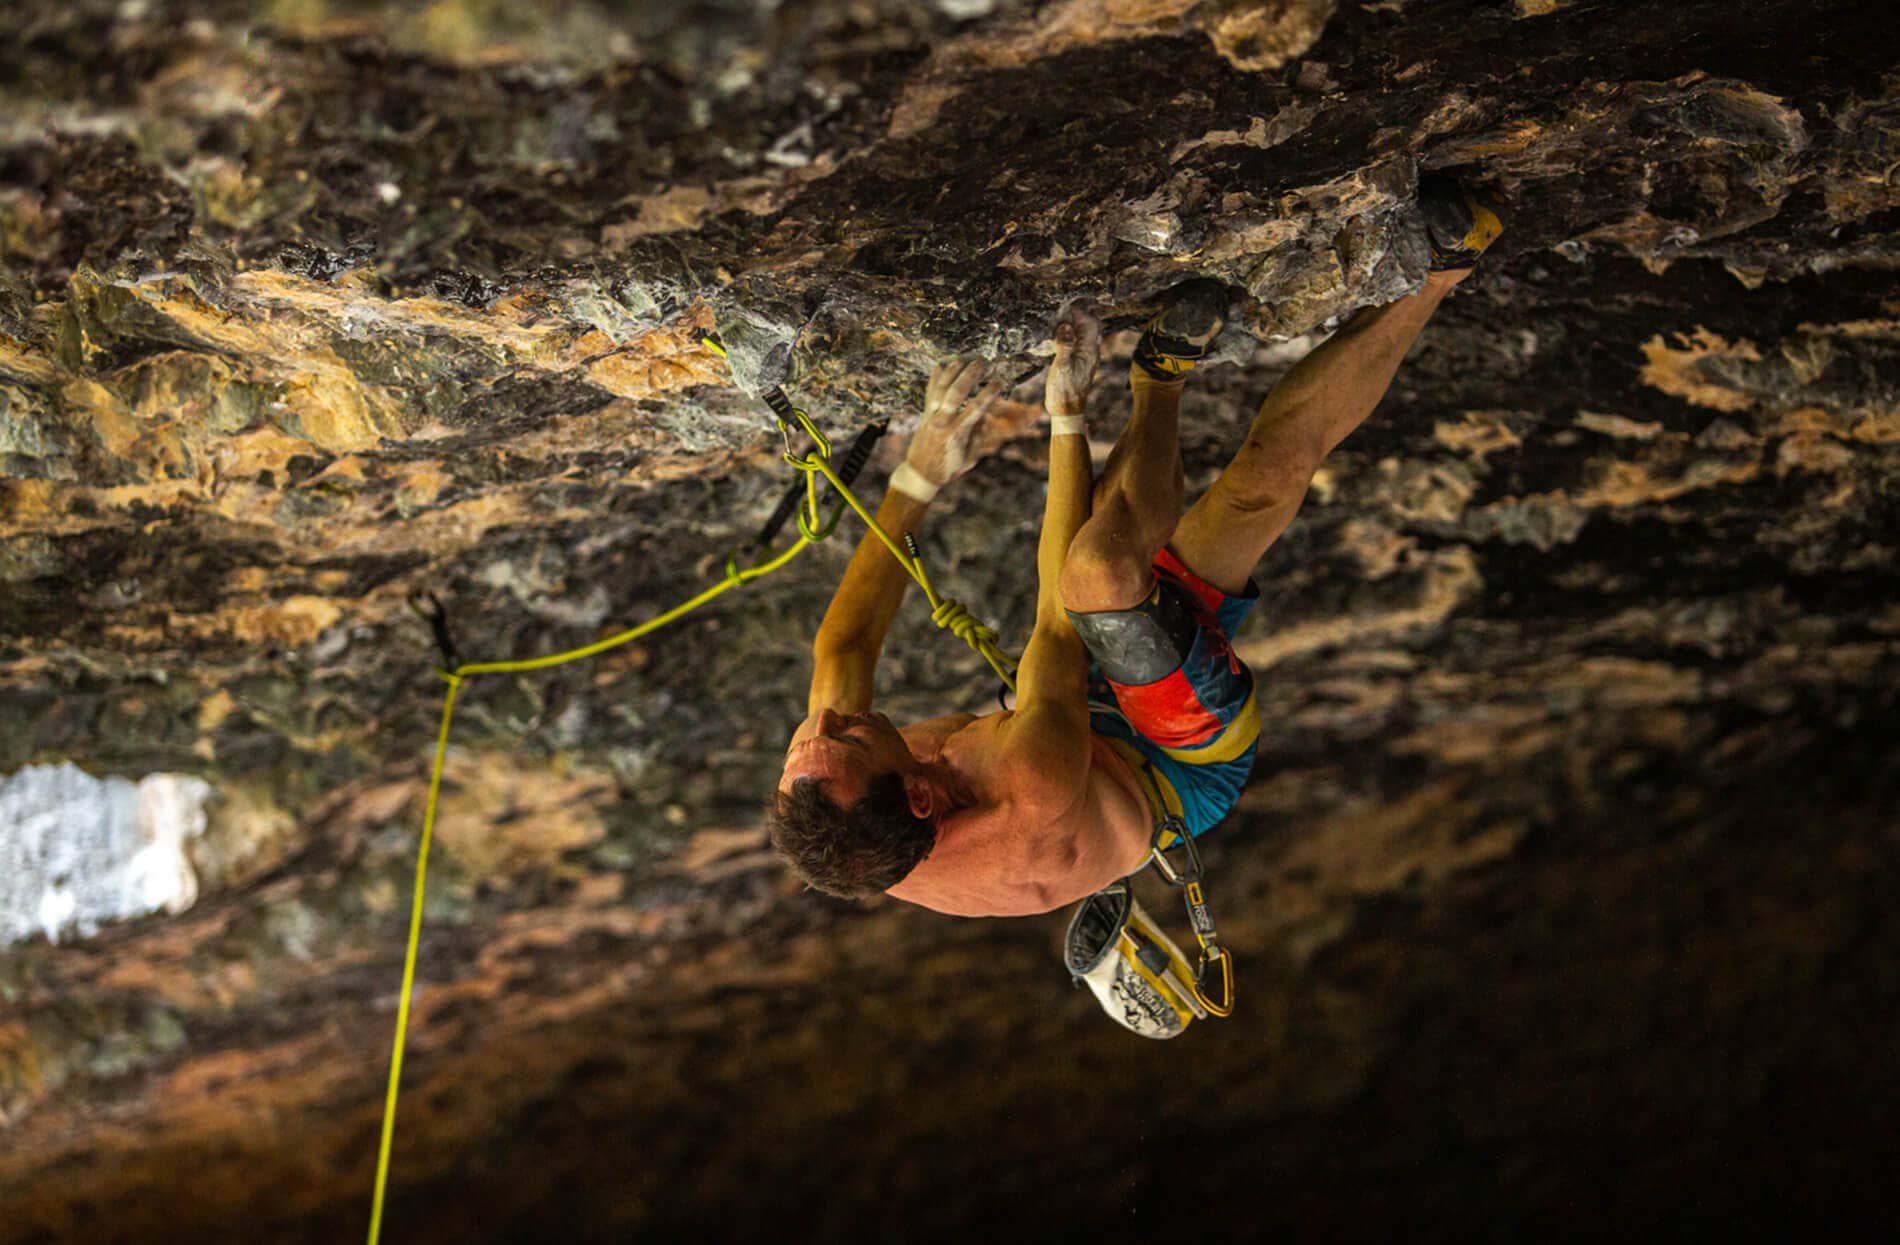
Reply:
x=1316, y=404
x=1168, y=350
x=1138, y=496
x=1134, y=515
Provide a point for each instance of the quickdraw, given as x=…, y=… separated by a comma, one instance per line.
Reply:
x=1188, y=881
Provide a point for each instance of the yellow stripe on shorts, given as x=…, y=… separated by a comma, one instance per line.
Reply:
x=1230, y=743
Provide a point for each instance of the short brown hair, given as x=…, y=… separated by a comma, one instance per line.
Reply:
x=854, y=852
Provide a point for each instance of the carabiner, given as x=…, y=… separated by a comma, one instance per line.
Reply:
x=1165, y=867
x=1208, y=955
x=825, y=529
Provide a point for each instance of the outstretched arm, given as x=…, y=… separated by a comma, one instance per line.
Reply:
x=1052, y=715
x=844, y=656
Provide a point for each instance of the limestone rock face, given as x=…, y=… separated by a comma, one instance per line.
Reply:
x=1563, y=890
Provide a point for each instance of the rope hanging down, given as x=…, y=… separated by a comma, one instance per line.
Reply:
x=813, y=526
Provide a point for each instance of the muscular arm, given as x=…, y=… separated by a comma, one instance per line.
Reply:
x=1053, y=679
x=1051, y=730
x=844, y=656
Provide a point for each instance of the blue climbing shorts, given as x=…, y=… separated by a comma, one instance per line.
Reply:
x=1199, y=726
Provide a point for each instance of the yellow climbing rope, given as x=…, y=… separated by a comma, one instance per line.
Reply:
x=945, y=612
x=814, y=464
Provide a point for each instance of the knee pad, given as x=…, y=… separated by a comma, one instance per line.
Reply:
x=1141, y=645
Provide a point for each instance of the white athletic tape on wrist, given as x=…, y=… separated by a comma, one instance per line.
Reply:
x=912, y=483
x=1068, y=425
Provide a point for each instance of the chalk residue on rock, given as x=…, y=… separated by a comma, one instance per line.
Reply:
x=77, y=851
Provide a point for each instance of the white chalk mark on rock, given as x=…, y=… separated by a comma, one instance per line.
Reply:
x=77, y=851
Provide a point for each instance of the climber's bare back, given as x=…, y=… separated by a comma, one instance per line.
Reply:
x=1028, y=844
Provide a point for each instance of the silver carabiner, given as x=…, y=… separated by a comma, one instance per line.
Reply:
x=1165, y=867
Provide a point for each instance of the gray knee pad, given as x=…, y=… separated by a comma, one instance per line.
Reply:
x=1142, y=645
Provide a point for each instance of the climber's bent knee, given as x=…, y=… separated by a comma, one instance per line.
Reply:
x=1097, y=575
x=1139, y=645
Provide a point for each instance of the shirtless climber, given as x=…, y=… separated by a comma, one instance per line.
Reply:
x=1130, y=703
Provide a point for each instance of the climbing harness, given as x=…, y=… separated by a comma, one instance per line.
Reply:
x=817, y=516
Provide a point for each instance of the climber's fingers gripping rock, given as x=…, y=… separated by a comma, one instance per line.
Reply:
x=945, y=444
x=1078, y=340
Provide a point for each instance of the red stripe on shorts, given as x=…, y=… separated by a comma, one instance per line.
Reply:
x=1204, y=594
x=1167, y=711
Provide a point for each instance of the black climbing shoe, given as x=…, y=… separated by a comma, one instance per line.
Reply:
x=1179, y=337
x=1460, y=223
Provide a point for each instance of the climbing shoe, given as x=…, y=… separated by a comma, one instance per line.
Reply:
x=1460, y=223
x=1180, y=336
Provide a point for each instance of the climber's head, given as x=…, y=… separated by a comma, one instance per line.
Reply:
x=855, y=811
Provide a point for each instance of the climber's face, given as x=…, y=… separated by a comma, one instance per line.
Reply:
x=848, y=751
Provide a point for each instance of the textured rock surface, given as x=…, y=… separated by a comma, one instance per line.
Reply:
x=1563, y=891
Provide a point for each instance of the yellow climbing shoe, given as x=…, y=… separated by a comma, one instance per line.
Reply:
x=1180, y=336
x=1460, y=223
